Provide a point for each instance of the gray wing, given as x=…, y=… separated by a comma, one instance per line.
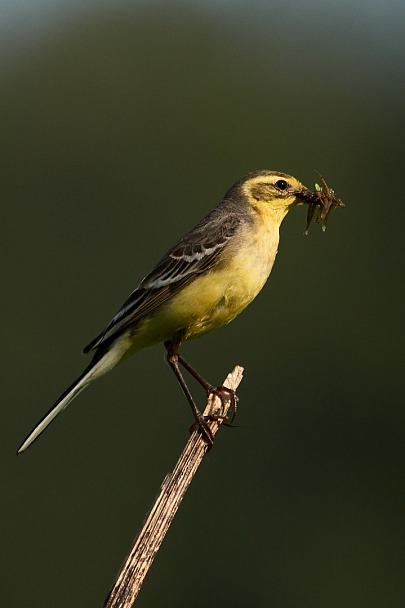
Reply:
x=193, y=255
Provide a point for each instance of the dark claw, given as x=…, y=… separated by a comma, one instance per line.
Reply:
x=203, y=428
x=219, y=392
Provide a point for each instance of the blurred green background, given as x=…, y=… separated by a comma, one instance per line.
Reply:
x=122, y=124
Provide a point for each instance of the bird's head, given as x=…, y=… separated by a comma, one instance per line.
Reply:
x=273, y=193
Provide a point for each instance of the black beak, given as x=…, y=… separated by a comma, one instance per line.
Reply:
x=308, y=196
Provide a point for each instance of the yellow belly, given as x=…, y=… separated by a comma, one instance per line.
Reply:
x=218, y=297
x=212, y=299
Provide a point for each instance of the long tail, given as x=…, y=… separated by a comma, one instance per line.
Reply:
x=98, y=367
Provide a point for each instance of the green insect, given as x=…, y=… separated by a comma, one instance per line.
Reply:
x=324, y=202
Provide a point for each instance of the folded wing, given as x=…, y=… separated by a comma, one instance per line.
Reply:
x=194, y=254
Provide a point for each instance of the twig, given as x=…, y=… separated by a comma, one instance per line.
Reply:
x=160, y=516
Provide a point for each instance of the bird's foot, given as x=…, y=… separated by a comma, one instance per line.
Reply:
x=201, y=425
x=223, y=392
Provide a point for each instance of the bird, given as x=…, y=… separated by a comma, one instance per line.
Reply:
x=203, y=282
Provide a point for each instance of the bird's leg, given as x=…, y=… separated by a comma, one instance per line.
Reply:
x=173, y=360
x=212, y=390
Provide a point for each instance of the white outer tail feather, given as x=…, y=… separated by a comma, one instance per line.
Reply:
x=57, y=409
x=99, y=368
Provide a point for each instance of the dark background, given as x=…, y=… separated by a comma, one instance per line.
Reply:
x=120, y=127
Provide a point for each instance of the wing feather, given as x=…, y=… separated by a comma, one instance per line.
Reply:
x=193, y=255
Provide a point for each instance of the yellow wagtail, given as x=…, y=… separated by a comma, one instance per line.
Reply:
x=203, y=282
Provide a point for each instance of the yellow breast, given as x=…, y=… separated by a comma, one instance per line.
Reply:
x=219, y=296
x=216, y=297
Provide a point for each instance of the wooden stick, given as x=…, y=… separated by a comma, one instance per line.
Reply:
x=157, y=522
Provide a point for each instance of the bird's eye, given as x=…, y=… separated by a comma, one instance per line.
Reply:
x=281, y=184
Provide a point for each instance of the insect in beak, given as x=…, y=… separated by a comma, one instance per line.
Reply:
x=322, y=200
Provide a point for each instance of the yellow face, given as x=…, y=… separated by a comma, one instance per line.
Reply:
x=273, y=190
